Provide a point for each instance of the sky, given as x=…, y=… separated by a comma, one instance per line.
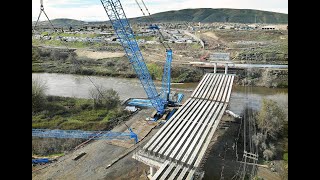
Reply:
x=92, y=10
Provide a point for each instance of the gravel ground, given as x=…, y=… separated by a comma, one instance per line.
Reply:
x=99, y=154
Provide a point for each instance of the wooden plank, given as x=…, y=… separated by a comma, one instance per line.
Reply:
x=203, y=137
x=187, y=147
x=175, y=172
x=167, y=172
x=229, y=92
x=193, y=119
x=200, y=84
x=160, y=170
x=206, y=144
x=161, y=139
x=169, y=123
x=179, y=130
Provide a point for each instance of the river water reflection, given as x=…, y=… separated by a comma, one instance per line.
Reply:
x=79, y=86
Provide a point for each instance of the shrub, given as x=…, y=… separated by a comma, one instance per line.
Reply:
x=155, y=71
x=285, y=156
x=105, y=98
x=38, y=94
x=268, y=154
x=86, y=106
x=271, y=118
x=35, y=54
x=187, y=75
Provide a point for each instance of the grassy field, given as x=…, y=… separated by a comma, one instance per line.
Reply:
x=254, y=46
x=74, y=113
x=75, y=44
x=102, y=112
x=62, y=61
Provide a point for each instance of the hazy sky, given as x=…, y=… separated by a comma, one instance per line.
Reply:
x=92, y=10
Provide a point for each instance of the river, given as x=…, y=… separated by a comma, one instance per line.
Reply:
x=79, y=86
x=69, y=85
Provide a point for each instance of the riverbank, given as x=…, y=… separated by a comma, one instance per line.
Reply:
x=75, y=113
x=59, y=60
x=93, y=63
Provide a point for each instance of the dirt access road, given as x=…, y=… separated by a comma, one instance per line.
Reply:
x=98, y=54
x=99, y=154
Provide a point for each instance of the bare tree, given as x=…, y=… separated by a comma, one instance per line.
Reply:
x=269, y=152
x=38, y=94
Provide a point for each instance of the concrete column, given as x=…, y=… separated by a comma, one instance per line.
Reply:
x=152, y=170
x=215, y=68
x=226, y=69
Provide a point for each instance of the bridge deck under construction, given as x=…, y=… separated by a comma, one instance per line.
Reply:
x=179, y=146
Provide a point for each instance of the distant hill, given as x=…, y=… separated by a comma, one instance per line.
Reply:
x=208, y=15
x=204, y=15
x=63, y=22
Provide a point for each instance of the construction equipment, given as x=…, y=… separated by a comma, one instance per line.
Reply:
x=40, y=161
x=166, y=77
x=56, y=133
x=47, y=133
x=127, y=39
x=42, y=10
x=204, y=57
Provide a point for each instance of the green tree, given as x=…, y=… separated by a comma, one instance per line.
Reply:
x=270, y=118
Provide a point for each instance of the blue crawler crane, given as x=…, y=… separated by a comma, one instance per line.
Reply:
x=127, y=39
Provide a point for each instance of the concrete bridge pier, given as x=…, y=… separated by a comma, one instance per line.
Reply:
x=215, y=67
x=153, y=170
x=226, y=68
